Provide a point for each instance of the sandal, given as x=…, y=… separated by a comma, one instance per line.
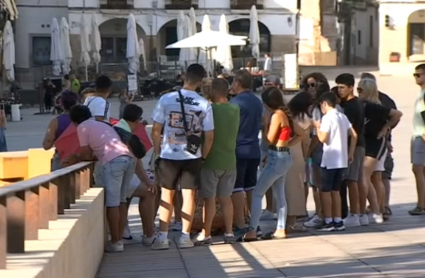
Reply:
x=417, y=211
x=296, y=228
x=388, y=210
x=271, y=236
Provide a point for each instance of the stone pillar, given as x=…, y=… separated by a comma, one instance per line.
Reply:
x=74, y=40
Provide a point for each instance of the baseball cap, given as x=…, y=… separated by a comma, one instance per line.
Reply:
x=273, y=79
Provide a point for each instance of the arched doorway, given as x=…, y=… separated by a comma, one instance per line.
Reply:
x=113, y=34
x=167, y=34
x=416, y=34
x=240, y=27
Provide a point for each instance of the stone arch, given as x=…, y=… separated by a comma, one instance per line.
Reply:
x=113, y=33
x=240, y=27
x=416, y=35
x=167, y=34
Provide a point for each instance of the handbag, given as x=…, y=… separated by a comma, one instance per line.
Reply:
x=193, y=141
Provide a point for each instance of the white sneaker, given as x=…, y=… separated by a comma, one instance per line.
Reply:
x=352, y=220
x=177, y=226
x=313, y=222
x=127, y=233
x=364, y=220
x=378, y=218
x=158, y=244
x=266, y=215
x=147, y=241
x=185, y=243
x=115, y=247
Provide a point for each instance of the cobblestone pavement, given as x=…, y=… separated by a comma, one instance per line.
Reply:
x=393, y=249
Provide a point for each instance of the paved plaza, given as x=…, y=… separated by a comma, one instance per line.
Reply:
x=393, y=249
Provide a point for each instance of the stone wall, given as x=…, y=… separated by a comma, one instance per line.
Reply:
x=72, y=247
x=283, y=44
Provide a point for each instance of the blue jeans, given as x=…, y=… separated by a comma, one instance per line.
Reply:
x=116, y=177
x=273, y=175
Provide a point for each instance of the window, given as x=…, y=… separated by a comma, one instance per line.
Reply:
x=41, y=51
x=359, y=37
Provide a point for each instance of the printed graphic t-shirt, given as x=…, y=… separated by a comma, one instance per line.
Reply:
x=199, y=118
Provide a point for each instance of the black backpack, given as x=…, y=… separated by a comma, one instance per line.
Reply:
x=132, y=141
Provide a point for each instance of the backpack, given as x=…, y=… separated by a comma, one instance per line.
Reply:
x=132, y=141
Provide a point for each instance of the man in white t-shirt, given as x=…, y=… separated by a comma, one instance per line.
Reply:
x=333, y=131
x=98, y=104
x=180, y=154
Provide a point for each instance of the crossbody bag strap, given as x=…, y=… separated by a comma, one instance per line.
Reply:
x=186, y=129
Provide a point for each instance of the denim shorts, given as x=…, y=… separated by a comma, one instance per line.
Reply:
x=116, y=177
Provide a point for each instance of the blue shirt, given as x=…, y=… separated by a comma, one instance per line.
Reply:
x=251, y=111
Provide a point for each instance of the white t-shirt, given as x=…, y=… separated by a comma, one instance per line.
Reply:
x=168, y=112
x=317, y=115
x=335, y=150
x=98, y=106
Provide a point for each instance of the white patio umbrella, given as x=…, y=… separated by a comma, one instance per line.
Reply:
x=204, y=58
x=85, y=45
x=133, y=48
x=142, y=52
x=254, y=32
x=65, y=46
x=95, y=42
x=193, y=30
x=181, y=34
x=9, y=51
x=55, y=48
x=192, y=52
x=224, y=53
x=209, y=39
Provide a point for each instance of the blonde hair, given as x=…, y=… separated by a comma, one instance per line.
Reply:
x=370, y=90
x=206, y=87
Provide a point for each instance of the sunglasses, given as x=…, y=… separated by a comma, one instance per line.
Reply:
x=417, y=75
x=311, y=85
x=359, y=90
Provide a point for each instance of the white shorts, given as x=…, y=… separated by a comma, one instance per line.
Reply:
x=135, y=183
x=380, y=166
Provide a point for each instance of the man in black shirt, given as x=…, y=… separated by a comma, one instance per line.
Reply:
x=354, y=111
x=389, y=162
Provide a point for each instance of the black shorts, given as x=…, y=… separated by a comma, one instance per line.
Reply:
x=331, y=179
x=246, y=175
x=183, y=172
x=375, y=148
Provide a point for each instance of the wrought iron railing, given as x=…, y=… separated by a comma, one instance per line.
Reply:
x=246, y=4
x=181, y=4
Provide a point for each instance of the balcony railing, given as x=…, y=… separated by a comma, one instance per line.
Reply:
x=181, y=4
x=27, y=206
x=117, y=4
x=246, y=4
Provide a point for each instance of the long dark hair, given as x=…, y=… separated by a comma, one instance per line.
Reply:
x=273, y=98
x=316, y=76
x=300, y=104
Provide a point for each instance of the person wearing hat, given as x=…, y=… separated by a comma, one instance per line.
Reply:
x=272, y=81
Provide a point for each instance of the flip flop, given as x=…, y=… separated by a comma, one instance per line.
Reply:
x=271, y=236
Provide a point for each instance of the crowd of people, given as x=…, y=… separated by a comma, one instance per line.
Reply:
x=207, y=148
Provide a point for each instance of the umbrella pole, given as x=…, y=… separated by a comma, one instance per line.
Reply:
x=87, y=74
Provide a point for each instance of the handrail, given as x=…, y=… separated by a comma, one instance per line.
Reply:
x=27, y=206
x=36, y=181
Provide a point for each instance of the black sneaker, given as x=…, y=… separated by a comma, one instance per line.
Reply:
x=327, y=227
x=339, y=226
x=259, y=232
